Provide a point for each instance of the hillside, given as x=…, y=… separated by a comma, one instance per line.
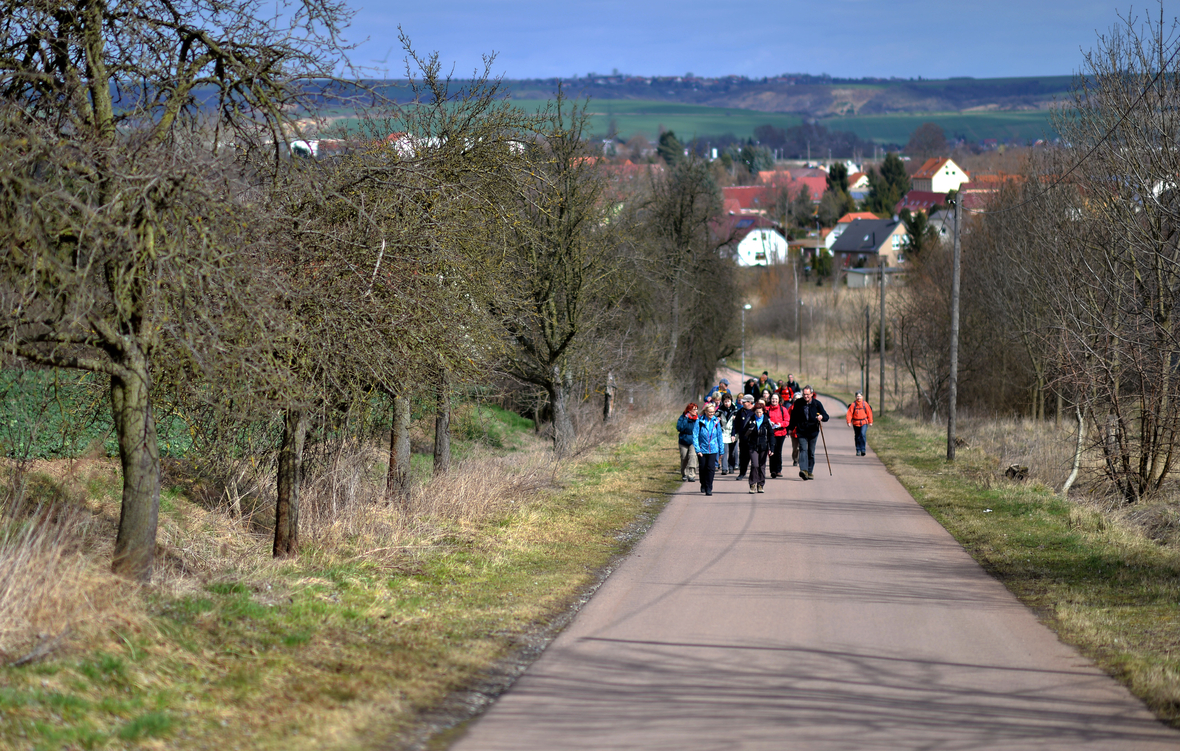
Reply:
x=817, y=97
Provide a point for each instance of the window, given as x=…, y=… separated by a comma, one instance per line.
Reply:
x=896, y=241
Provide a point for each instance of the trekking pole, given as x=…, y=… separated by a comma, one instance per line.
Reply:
x=825, y=442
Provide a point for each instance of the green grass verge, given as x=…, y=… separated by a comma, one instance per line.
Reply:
x=341, y=648
x=1102, y=587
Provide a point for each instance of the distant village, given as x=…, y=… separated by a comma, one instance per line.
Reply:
x=755, y=225
x=754, y=219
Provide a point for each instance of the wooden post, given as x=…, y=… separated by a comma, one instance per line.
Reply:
x=608, y=398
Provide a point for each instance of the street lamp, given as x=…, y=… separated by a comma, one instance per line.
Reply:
x=799, y=333
x=745, y=307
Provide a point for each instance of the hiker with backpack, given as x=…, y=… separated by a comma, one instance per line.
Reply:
x=860, y=417
x=706, y=441
x=759, y=434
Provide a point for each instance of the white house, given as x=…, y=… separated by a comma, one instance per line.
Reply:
x=761, y=247
x=939, y=175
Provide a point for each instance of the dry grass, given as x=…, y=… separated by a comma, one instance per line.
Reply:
x=387, y=609
x=55, y=581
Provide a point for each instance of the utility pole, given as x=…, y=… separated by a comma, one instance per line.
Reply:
x=798, y=313
x=881, y=381
x=954, y=376
x=745, y=307
x=799, y=333
x=868, y=352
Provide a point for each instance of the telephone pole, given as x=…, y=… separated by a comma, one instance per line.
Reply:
x=954, y=375
x=868, y=353
x=881, y=381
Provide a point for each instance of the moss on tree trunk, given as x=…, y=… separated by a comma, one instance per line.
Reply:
x=139, y=454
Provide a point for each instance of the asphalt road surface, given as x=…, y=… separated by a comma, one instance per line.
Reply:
x=828, y=614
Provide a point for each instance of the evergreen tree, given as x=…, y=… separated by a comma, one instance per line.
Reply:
x=888, y=186
x=838, y=178
x=670, y=149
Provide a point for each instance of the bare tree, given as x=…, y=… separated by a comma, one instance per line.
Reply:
x=563, y=263
x=391, y=252
x=695, y=283
x=1116, y=302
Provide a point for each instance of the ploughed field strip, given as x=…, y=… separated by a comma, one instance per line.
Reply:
x=827, y=614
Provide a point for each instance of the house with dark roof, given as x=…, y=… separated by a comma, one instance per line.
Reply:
x=870, y=243
x=843, y=223
x=751, y=239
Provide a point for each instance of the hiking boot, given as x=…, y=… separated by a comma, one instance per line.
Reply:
x=752, y=489
x=810, y=476
x=802, y=474
x=760, y=490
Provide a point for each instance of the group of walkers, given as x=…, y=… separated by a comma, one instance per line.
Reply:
x=748, y=435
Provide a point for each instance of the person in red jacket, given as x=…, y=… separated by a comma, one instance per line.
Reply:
x=779, y=417
x=860, y=417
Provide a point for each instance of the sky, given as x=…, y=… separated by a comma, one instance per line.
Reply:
x=843, y=38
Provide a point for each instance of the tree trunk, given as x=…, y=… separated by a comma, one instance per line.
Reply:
x=290, y=475
x=397, y=482
x=139, y=453
x=442, y=428
x=563, y=427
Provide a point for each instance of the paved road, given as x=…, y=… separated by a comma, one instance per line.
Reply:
x=830, y=614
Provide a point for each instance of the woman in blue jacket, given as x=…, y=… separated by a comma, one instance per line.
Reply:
x=706, y=441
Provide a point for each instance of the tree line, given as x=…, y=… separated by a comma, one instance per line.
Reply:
x=1071, y=274
x=156, y=233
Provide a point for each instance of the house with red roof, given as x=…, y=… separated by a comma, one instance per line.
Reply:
x=816, y=186
x=919, y=200
x=751, y=199
x=628, y=171
x=938, y=175
x=774, y=178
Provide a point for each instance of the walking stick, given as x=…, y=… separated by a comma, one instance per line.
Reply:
x=825, y=442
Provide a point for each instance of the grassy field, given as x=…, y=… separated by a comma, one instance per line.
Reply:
x=381, y=618
x=639, y=117
x=687, y=120
x=1097, y=580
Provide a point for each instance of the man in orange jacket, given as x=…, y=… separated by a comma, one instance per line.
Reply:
x=860, y=417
